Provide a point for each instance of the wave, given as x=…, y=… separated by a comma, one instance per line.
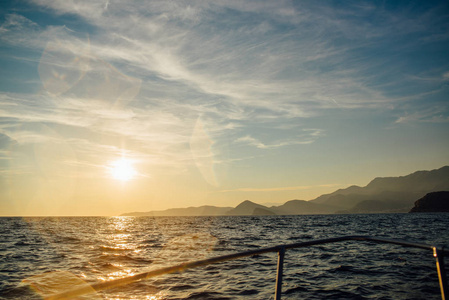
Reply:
x=85, y=247
x=123, y=258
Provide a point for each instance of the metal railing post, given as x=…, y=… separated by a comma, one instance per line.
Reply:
x=438, y=253
x=280, y=269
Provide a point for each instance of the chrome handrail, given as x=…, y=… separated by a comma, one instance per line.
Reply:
x=438, y=252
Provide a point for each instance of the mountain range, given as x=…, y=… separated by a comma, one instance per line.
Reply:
x=381, y=195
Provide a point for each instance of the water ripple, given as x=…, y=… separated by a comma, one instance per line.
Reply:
x=92, y=249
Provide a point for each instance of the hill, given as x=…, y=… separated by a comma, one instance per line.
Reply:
x=248, y=208
x=432, y=202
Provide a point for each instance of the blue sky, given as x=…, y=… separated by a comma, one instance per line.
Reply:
x=212, y=103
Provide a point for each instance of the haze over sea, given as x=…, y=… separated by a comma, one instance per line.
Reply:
x=36, y=251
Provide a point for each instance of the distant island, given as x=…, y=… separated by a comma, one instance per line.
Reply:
x=381, y=195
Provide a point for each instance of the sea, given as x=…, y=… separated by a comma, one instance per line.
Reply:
x=40, y=256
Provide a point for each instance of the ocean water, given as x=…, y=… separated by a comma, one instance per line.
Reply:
x=40, y=256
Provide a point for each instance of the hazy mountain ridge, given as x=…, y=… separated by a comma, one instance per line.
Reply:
x=302, y=207
x=205, y=210
x=381, y=195
x=388, y=194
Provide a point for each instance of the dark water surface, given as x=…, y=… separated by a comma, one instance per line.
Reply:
x=43, y=255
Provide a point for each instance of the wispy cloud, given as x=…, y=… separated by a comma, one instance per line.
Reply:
x=225, y=63
x=308, y=137
x=430, y=115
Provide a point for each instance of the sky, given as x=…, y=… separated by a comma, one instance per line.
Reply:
x=109, y=107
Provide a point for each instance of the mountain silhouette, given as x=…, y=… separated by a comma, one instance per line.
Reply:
x=432, y=202
x=246, y=208
x=387, y=194
x=381, y=195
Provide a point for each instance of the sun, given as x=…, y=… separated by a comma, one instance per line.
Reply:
x=122, y=169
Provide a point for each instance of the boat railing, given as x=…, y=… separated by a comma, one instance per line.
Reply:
x=438, y=252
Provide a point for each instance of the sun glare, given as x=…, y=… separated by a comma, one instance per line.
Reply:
x=122, y=170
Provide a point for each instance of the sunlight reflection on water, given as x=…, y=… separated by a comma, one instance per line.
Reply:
x=117, y=242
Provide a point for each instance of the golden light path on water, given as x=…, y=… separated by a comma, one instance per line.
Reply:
x=118, y=247
x=118, y=242
x=181, y=248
